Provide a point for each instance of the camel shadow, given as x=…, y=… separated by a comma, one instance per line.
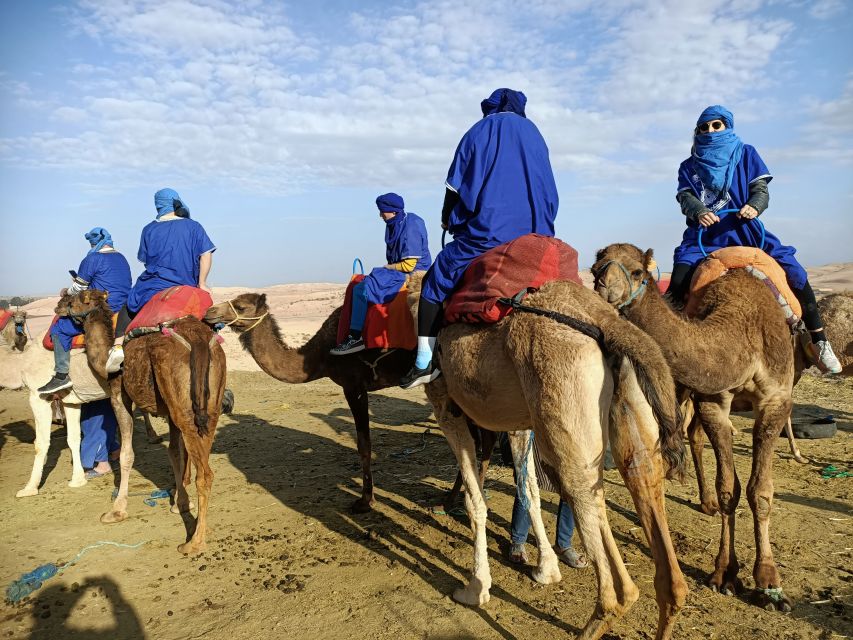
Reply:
x=52, y=607
x=291, y=465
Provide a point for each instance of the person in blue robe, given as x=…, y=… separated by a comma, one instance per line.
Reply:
x=499, y=186
x=103, y=269
x=724, y=173
x=175, y=250
x=406, y=250
x=98, y=423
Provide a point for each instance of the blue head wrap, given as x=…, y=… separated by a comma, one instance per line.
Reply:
x=98, y=238
x=390, y=202
x=504, y=100
x=716, y=154
x=167, y=201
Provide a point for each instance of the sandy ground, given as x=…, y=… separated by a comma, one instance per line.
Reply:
x=287, y=559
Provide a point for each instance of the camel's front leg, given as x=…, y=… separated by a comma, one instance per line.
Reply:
x=455, y=429
x=547, y=570
x=357, y=400
x=42, y=415
x=72, y=427
x=122, y=406
x=770, y=416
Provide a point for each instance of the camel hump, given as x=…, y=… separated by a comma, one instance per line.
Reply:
x=723, y=260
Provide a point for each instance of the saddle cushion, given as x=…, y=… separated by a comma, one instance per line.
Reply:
x=386, y=326
x=77, y=342
x=721, y=260
x=175, y=302
x=526, y=262
x=5, y=316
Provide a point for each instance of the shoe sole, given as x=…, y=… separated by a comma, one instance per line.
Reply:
x=348, y=351
x=56, y=390
x=422, y=380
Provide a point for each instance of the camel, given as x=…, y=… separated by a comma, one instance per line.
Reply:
x=14, y=334
x=249, y=316
x=836, y=309
x=738, y=346
x=178, y=374
x=532, y=372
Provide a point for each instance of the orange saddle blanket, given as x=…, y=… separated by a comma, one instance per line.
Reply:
x=77, y=342
x=175, y=302
x=5, y=316
x=387, y=326
x=721, y=260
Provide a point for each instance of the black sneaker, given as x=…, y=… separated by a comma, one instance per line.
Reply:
x=350, y=345
x=56, y=384
x=417, y=377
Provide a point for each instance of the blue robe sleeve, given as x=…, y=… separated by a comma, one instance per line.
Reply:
x=142, y=255
x=755, y=167
x=685, y=183
x=87, y=269
x=202, y=243
x=467, y=171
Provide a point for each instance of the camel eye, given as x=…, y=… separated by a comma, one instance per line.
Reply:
x=637, y=273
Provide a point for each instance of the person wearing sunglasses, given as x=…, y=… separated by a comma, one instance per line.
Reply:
x=724, y=173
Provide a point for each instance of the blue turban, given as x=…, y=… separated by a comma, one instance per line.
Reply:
x=716, y=154
x=390, y=202
x=167, y=201
x=98, y=238
x=504, y=100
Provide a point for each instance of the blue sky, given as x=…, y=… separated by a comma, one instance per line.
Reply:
x=279, y=123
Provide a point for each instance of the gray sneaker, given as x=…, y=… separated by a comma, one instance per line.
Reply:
x=826, y=357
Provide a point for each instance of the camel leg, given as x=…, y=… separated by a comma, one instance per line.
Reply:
x=178, y=458
x=73, y=428
x=153, y=438
x=714, y=417
x=696, y=437
x=198, y=448
x=42, y=414
x=770, y=416
x=487, y=442
x=792, y=443
x=634, y=440
x=357, y=400
x=547, y=570
x=122, y=406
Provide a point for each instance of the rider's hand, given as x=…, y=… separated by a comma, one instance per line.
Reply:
x=203, y=286
x=708, y=218
x=444, y=226
x=747, y=212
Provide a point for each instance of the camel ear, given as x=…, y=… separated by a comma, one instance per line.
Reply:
x=262, y=300
x=599, y=255
x=649, y=261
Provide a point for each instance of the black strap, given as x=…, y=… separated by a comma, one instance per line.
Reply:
x=579, y=325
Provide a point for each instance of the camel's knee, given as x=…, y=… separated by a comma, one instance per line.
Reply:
x=728, y=501
x=761, y=504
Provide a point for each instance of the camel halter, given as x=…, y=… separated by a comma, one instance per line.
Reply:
x=237, y=317
x=633, y=293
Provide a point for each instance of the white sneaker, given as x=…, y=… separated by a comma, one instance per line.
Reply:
x=116, y=358
x=826, y=357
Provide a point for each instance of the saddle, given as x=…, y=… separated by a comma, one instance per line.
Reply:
x=758, y=263
x=167, y=306
x=77, y=342
x=386, y=326
x=520, y=265
x=5, y=316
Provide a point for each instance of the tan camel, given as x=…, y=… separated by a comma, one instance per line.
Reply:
x=836, y=309
x=531, y=372
x=739, y=345
x=180, y=376
x=14, y=334
x=358, y=374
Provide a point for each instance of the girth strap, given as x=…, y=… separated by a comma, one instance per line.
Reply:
x=578, y=325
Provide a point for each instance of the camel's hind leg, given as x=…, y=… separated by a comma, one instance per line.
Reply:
x=635, y=441
x=42, y=414
x=771, y=414
x=696, y=436
x=123, y=408
x=181, y=469
x=73, y=428
x=548, y=568
x=198, y=449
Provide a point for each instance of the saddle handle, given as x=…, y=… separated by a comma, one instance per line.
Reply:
x=721, y=213
x=358, y=262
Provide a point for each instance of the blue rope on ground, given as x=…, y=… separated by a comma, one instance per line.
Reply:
x=29, y=582
x=521, y=485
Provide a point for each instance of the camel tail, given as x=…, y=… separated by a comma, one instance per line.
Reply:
x=656, y=382
x=200, y=382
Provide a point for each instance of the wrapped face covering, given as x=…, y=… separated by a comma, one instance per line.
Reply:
x=167, y=201
x=98, y=238
x=717, y=153
x=504, y=100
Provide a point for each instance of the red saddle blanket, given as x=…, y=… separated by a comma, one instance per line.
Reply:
x=170, y=304
x=77, y=342
x=5, y=316
x=387, y=326
x=526, y=262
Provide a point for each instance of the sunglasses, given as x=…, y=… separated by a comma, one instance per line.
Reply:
x=705, y=127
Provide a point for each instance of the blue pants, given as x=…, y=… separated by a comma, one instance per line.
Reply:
x=449, y=267
x=359, y=307
x=62, y=334
x=520, y=525
x=99, y=424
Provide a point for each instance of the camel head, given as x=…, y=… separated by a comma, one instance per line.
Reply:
x=241, y=313
x=82, y=304
x=19, y=318
x=620, y=271
x=63, y=305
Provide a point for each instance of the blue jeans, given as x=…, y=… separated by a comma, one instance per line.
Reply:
x=359, y=307
x=62, y=333
x=520, y=525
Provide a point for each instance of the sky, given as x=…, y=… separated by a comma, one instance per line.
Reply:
x=280, y=122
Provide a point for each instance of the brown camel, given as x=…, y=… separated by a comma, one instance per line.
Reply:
x=531, y=372
x=836, y=309
x=738, y=345
x=357, y=374
x=14, y=334
x=180, y=376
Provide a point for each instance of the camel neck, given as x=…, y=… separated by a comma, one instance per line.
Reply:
x=278, y=359
x=99, y=339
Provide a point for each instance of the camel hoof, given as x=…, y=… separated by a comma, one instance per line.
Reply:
x=191, y=549
x=551, y=575
x=76, y=484
x=362, y=505
x=709, y=508
x=111, y=517
x=175, y=509
x=26, y=492
x=474, y=594
x=772, y=600
x=725, y=586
